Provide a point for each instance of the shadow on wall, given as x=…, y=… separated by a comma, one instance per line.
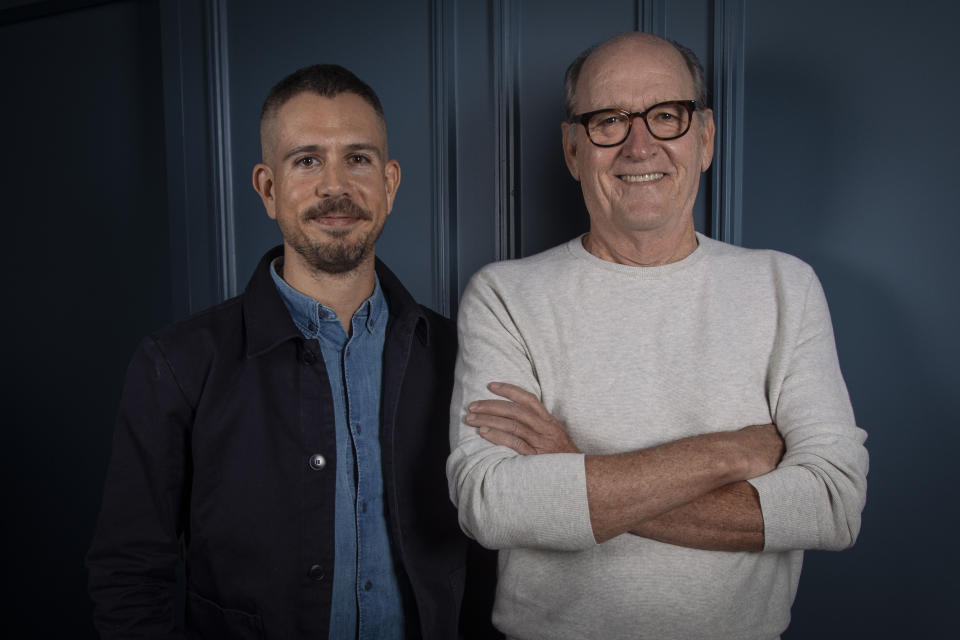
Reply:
x=821, y=183
x=892, y=583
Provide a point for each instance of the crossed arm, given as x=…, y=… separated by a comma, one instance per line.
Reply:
x=689, y=492
x=538, y=491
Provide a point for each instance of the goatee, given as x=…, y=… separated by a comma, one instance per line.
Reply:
x=338, y=255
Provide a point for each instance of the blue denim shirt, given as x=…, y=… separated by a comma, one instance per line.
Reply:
x=366, y=600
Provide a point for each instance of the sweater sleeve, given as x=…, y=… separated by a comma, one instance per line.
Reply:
x=814, y=498
x=506, y=500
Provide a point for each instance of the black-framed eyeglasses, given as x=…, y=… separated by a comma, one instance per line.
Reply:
x=665, y=121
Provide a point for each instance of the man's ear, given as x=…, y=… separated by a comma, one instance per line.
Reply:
x=707, y=133
x=263, y=184
x=391, y=182
x=569, y=137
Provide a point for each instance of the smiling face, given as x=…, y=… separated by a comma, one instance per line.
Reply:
x=326, y=179
x=644, y=187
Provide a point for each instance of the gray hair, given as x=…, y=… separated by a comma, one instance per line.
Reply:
x=572, y=75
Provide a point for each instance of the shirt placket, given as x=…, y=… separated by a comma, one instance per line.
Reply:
x=376, y=585
x=355, y=378
x=334, y=341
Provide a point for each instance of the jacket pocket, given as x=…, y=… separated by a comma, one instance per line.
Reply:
x=206, y=620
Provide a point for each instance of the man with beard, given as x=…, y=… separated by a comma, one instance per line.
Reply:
x=290, y=442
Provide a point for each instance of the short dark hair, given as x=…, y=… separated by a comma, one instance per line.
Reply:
x=327, y=80
x=572, y=75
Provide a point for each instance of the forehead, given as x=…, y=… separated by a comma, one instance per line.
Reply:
x=309, y=118
x=633, y=74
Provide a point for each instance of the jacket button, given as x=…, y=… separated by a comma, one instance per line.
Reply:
x=317, y=462
x=309, y=357
x=316, y=573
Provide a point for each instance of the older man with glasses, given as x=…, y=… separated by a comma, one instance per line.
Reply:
x=650, y=425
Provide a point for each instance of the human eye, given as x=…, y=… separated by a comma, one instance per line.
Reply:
x=666, y=115
x=358, y=159
x=607, y=120
x=668, y=121
x=306, y=162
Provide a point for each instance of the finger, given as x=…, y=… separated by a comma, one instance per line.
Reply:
x=496, y=436
x=522, y=420
x=513, y=392
x=507, y=425
x=502, y=408
x=520, y=396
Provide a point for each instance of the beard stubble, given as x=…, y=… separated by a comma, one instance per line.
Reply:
x=337, y=254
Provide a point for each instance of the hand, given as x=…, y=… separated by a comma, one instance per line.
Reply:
x=764, y=448
x=520, y=422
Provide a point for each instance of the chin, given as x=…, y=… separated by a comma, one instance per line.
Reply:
x=644, y=220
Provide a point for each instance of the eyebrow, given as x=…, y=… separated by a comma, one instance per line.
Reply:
x=350, y=148
x=647, y=108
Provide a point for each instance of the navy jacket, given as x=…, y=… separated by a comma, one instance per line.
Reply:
x=225, y=440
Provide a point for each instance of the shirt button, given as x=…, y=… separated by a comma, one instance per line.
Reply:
x=316, y=573
x=363, y=507
x=367, y=585
x=317, y=462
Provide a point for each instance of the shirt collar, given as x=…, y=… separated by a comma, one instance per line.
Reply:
x=308, y=314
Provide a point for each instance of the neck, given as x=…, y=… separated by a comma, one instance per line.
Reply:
x=342, y=292
x=643, y=248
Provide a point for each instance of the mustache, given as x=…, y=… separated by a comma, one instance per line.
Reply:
x=341, y=205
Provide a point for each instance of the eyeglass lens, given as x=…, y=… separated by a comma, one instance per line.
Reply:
x=663, y=121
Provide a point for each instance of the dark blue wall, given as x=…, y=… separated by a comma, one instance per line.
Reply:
x=850, y=162
x=86, y=273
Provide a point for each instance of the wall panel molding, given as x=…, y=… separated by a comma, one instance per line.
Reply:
x=178, y=177
x=195, y=264
x=443, y=65
x=506, y=62
x=198, y=153
x=728, y=89
x=221, y=152
x=651, y=17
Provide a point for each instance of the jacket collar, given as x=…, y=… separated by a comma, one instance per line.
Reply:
x=267, y=322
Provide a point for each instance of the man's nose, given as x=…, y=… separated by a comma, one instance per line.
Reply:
x=332, y=182
x=640, y=143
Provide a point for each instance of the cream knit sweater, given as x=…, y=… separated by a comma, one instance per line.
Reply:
x=627, y=358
